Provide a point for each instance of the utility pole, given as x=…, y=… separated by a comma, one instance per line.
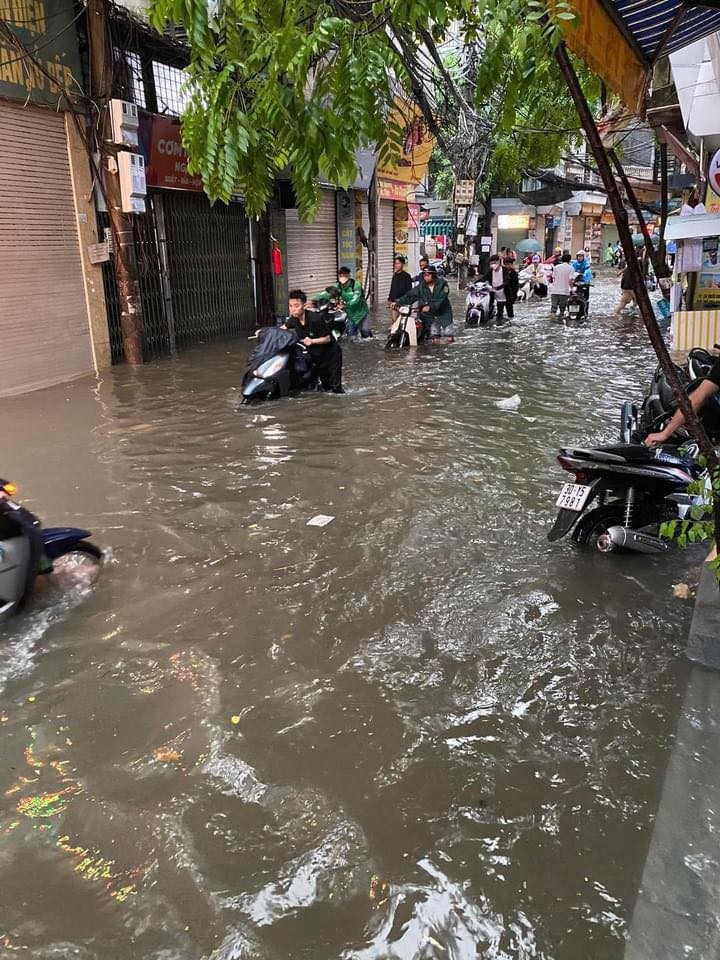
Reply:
x=123, y=257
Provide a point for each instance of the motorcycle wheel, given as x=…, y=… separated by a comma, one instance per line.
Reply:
x=590, y=527
x=83, y=549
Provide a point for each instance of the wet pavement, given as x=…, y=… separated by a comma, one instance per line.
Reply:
x=217, y=746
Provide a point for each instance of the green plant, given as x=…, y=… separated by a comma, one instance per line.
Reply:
x=700, y=527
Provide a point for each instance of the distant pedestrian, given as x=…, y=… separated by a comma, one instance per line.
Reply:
x=400, y=284
x=513, y=285
x=627, y=294
x=562, y=282
x=671, y=250
x=609, y=255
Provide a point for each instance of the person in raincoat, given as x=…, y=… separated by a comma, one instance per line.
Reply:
x=355, y=304
x=436, y=310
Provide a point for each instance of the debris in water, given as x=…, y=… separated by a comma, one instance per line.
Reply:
x=321, y=520
x=166, y=755
x=682, y=591
x=509, y=403
x=235, y=719
x=379, y=890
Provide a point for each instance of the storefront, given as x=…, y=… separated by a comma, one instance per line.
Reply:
x=46, y=298
x=695, y=296
x=193, y=256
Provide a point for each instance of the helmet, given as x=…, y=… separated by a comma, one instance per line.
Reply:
x=580, y=254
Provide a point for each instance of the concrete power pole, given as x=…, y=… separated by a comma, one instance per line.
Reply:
x=124, y=262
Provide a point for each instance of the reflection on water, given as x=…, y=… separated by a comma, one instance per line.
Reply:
x=215, y=749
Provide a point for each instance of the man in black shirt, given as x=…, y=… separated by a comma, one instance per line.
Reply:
x=698, y=398
x=311, y=329
x=399, y=285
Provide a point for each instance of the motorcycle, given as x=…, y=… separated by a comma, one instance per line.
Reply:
x=280, y=363
x=27, y=550
x=408, y=329
x=659, y=403
x=479, y=305
x=578, y=304
x=621, y=494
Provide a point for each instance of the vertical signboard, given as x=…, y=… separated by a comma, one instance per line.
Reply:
x=46, y=28
x=345, y=201
x=400, y=229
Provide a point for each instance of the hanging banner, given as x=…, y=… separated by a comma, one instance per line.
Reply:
x=399, y=178
x=595, y=38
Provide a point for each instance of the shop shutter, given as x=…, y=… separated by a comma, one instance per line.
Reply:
x=385, y=249
x=43, y=313
x=312, y=248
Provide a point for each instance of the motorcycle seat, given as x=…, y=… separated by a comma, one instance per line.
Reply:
x=639, y=453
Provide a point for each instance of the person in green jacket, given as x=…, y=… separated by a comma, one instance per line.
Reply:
x=436, y=310
x=356, y=308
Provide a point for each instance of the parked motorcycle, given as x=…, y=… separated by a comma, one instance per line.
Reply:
x=408, y=329
x=27, y=550
x=659, y=403
x=621, y=494
x=479, y=305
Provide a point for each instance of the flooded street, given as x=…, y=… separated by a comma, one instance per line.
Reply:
x=217, y=746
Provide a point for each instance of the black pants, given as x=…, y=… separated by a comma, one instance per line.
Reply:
x=329, y=367
x=501, y=305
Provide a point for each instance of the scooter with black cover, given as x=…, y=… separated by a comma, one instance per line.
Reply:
x=621, y=494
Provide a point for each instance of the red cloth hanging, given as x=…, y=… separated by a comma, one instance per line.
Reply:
x=277, y=263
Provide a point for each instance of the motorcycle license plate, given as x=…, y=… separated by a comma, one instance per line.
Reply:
x=573, y=496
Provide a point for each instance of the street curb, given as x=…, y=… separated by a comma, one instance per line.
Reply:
x=703, y=645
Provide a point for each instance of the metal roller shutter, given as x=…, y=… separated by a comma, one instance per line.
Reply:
x=385, y=249
x=312, y=248
x=43, y=313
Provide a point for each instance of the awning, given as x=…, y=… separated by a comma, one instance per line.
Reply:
x=621, y=40
x=692, y=227
x=649, y=22
x=437, y=227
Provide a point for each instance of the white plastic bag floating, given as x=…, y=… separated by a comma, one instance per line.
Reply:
x=321, y=520
x=510, y=403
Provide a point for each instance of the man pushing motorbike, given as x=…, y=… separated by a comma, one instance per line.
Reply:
x=435, y=310
x=311, y=328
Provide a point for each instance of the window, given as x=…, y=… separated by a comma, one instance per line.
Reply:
x=128, y=80
x=169, y=83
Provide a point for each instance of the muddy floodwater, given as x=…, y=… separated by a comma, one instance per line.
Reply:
x=221, y=743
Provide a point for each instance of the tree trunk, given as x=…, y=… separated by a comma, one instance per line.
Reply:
x=121, y=224
x=641, y=293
